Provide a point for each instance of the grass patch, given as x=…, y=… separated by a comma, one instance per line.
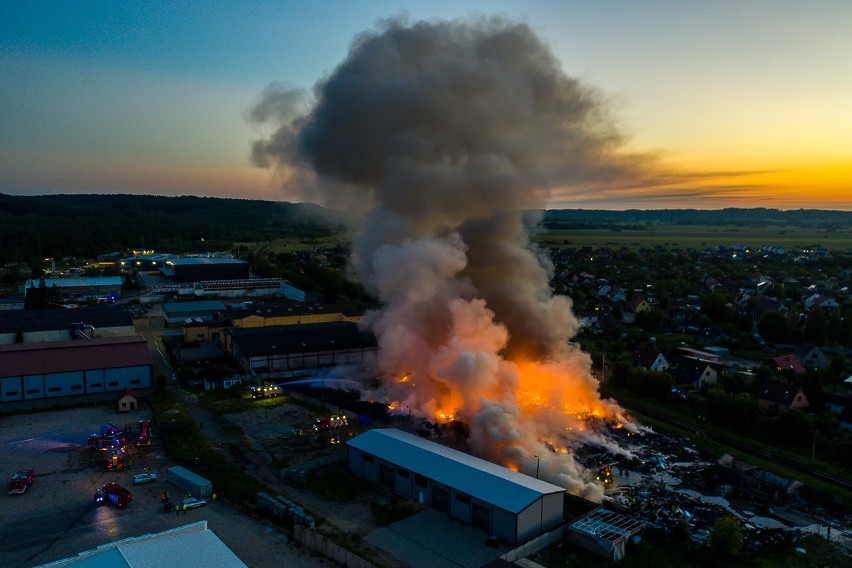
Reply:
x=698, y=237
x=189, y=448
x=221, y=404
x=339, y=486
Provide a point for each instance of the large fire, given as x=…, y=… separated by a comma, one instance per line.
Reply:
x=442, y=139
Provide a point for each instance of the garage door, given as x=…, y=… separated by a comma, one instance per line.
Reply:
x=482, y=517
x=386, y=475
x=441, y=499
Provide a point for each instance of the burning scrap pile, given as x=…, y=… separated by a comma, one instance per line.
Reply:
x=441, y=138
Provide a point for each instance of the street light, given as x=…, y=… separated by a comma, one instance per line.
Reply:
x=537, y=463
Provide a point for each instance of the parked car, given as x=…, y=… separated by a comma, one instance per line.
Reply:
x=21, y=481
x=141, y=478
x=192, y=502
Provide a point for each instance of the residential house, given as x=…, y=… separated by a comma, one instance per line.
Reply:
x=811, y=356
x=696, y=372
x=616, y=295
x=638, y=303
x=651, y=359
x=778, y=395
x=788, y=363
x=817, y=300
x=222, y=383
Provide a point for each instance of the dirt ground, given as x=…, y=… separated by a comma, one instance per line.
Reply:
x=264, y=443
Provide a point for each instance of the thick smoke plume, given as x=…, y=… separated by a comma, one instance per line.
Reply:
x=443, y=134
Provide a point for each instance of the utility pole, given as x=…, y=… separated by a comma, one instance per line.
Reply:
x=813, y=448
x=537, y=463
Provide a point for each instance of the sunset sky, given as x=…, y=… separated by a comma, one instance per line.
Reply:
x=743, y=103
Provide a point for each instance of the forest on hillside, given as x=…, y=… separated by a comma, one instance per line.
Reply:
x=84, y=226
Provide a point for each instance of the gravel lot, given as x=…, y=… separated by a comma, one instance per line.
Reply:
x=57, y=517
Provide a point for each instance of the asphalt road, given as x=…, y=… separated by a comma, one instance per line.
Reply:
x=57, y=517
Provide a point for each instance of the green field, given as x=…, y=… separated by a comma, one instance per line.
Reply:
x=700, y=237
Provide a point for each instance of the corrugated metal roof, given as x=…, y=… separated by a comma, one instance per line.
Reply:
x=57, y=319
x=77, y=282
x=189, y=546
x=504, y=488
x=179, y=309
x=188, y=260
x=300, y=338
x=78, y=355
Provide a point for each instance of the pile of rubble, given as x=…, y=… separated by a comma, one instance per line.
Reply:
x=674, y=488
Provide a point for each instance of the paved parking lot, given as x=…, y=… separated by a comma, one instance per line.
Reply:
x=57, y=517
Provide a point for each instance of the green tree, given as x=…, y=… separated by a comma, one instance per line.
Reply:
x=726, y=538
x=715, y=306
x=792, y=426
x=650, y=320
x=815, y=326
x=773, y=327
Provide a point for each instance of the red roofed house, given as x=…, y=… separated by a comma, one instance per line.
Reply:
x=127, y=400
x=101, y=367
x=789, y=363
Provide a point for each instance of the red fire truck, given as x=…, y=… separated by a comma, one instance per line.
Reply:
x=113, y=493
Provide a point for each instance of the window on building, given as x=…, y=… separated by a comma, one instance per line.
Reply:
x=33, y=391
x=112, y=384
x=76, y=387
x=420, y=480
x=403, y=473
x=462, y=498
x=135, y=382
x=96, y=385
x=53, y=389
x=12, y=393
x=368, y=458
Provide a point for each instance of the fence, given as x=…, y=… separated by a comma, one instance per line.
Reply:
x=329, y=549
x=536, y=545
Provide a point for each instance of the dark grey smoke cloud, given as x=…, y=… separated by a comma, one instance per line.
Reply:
x=440, y=135
x=449, y=126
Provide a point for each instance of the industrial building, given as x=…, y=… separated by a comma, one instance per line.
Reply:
x=35, y=326
x=145, y=262
x=198, y=268
x=295, y=347
x=60, y=369
x=176, y=314
x=81, y=287
x=506, y=504
x=209, y=327
x=287, y=313
x=189, y=546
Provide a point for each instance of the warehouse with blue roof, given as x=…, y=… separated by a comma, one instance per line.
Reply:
x=504, y=503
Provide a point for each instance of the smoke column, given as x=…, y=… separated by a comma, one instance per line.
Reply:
x=443, y=136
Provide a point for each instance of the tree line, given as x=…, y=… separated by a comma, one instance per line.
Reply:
x=33, y=228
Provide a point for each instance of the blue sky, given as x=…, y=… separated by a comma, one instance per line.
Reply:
x=132, y=97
